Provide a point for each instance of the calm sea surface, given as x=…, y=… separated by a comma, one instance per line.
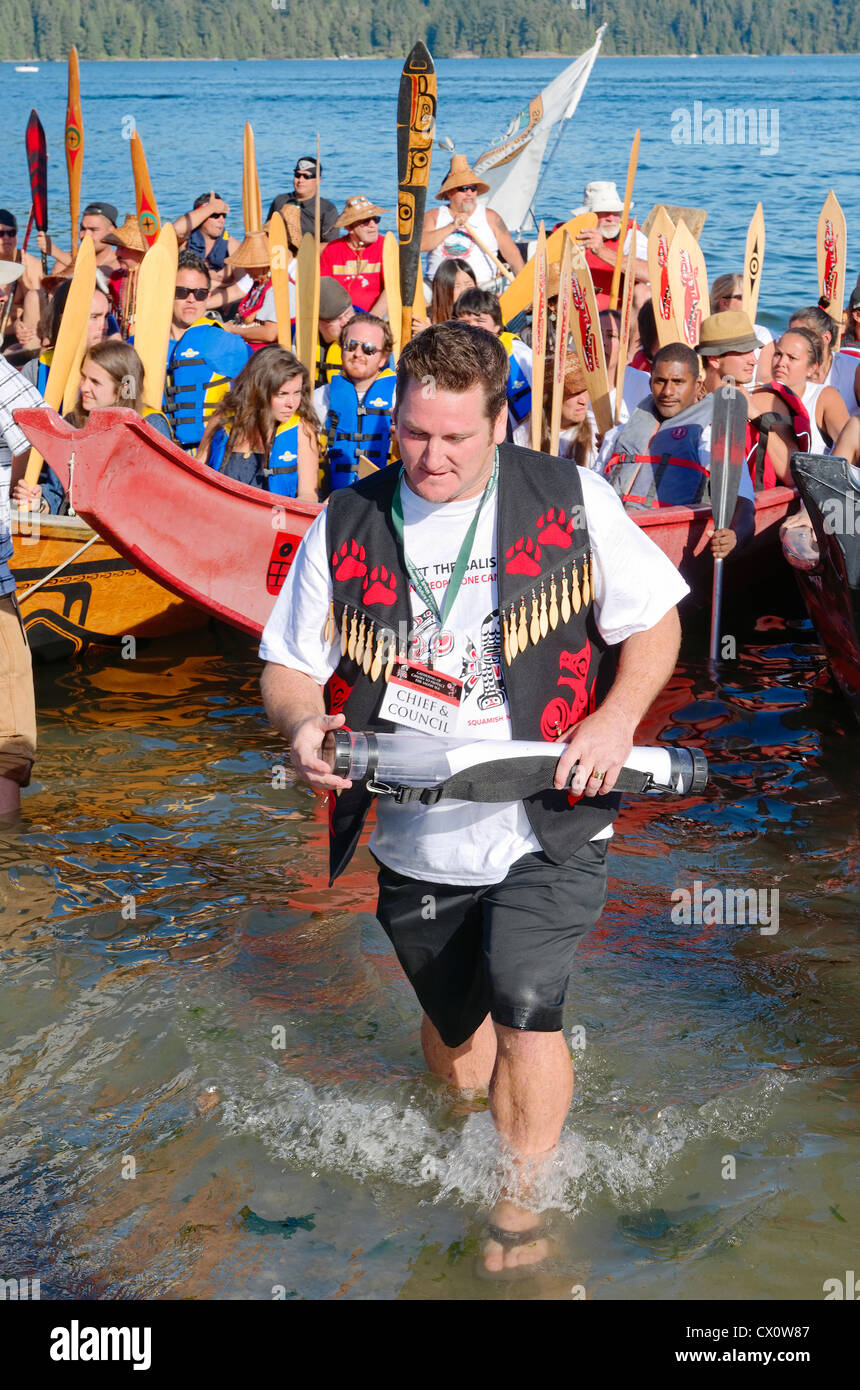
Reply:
x=165, y=925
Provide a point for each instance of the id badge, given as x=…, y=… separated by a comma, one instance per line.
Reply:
x=422, y=699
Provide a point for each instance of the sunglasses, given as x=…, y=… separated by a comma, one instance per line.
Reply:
x=8, y=232
x=302, y=175
x=183, y=292
x=467, y=188
x=217, y=214
x=363, y=221
x=369, y=349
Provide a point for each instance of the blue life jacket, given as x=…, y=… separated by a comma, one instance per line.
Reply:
x=217, y=256
x=200, y=367
x=280, y=474
x=45, y=359
x=519, y=391
x=352, y=428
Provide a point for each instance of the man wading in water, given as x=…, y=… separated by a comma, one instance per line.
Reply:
x=472, y=527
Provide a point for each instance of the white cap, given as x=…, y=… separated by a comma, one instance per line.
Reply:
x=600, y=197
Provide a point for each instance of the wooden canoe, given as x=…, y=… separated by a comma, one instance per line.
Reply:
x=96, y=599
x=825, y=557
x=227, y=547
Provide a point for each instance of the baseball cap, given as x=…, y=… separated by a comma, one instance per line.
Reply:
x=102, y=210
x=7, y=219
x=334, y=299
x=307, y=165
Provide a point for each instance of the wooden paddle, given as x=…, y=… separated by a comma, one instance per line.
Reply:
x=279, y=260
x=144, y=198
x=622, y=233
x=753, y=261
x=307, y=303
x=518, y=294
x=831, y=260
x=695, y=218
x=317, y=210
x=539, y=321
x=688, y=285
x=562, y=319
x=585, y=326
x=482, y=246
x=252, y=208
x=74, y=145
x=391, y=281
x=37, y=162
x=419, y=303
x=156, y=282
x=624, y=329
x=416, y=127
x=659, y=241
x=728, y=434
x=67, y=350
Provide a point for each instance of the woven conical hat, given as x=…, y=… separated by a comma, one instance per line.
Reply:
x=458, y=174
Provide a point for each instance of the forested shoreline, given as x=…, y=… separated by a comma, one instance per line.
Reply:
x=233, y=29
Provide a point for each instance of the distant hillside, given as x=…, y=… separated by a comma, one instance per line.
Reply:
x=45, y=29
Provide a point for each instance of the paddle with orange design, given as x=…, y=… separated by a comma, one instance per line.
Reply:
x=74, y=145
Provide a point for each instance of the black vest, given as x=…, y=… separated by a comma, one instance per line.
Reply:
x=552, y=681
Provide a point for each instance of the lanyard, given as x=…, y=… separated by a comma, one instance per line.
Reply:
x=461, y=562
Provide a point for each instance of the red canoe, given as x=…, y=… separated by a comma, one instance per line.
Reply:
x=228, y=547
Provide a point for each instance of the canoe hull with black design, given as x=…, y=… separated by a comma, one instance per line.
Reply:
x=227, y=547
x=97, y=599
x=826, y=562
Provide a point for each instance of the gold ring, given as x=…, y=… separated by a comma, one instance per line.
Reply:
x=599, y=775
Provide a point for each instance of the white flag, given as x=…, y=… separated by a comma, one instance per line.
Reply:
x=512, y=168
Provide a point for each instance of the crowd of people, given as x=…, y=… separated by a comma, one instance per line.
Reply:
x=501, y=875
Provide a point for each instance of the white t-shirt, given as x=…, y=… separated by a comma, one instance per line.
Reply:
x=842, y=375
x=462, y=842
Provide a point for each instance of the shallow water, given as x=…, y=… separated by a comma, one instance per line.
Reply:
x=325, y=1164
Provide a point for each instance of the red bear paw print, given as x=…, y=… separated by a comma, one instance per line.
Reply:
x=523, y=557
x=380, y=586
x=348, y=562
x=552, y=530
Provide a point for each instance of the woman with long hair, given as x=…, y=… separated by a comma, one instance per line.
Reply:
x=449, y=282
x=264, y=431
x=111, y=378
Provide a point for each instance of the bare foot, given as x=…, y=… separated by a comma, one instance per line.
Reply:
x=517, y=1238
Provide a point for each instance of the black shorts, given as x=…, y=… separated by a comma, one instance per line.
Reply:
x=504, y=948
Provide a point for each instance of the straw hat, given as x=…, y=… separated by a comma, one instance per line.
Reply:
x=727, y=332
x=253, y=254
x=10, y=271
x=574, y=376
x=128, y=235
x=458, y=174
x=600, y=196
x=357, y=209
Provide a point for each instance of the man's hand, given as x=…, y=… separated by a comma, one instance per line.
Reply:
x=601, y=743
x=305, y=749
x=213, y=205
x=591, y=239
x=723, y=543
x=44, y=243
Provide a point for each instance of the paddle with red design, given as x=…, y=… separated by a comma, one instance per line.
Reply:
x=728, y=433
x=74, y=144
x=37, y=161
